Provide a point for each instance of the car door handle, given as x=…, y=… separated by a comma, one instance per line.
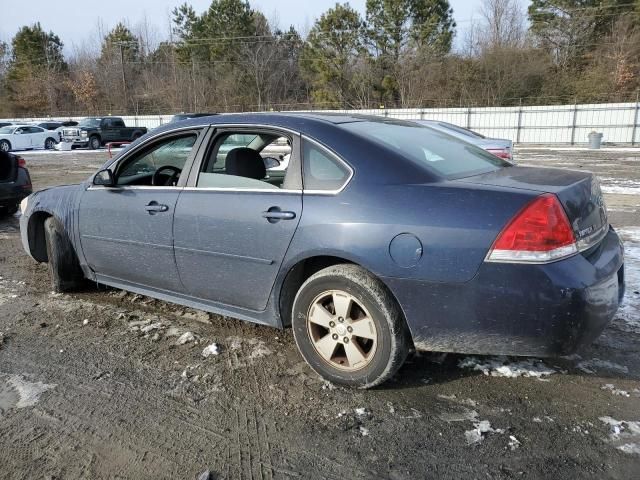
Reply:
x=155, y=207
x=274, y=214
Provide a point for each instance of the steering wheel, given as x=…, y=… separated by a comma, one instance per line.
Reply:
x=172, y=180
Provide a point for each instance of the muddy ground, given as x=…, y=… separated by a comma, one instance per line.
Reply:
x=95, y=385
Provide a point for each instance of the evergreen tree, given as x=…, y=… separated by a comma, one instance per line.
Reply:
x=329, y=57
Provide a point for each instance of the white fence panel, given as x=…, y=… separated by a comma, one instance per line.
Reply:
x=551, y=124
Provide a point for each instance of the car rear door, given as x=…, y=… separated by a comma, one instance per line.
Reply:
x=232, y=232
x=37, y=136
x=127, y=231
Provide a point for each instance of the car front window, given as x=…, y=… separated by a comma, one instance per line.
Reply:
x=173, y=152
x=438, y=152
x=90, y=122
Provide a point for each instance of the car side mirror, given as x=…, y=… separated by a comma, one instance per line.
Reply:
x=104, y=178
x=270, y=162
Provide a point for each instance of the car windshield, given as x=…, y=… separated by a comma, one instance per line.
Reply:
x=90, y=122
x=443, y=154
x=7, y=130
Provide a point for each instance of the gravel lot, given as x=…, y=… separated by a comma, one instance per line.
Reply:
x=97, y=385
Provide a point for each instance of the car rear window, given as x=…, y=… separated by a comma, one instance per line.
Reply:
x=440, y=153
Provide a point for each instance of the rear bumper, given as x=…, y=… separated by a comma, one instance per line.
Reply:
x=511, y=309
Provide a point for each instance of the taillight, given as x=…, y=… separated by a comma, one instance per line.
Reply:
x=500, y=152
x=539, y=233
x=21, y=162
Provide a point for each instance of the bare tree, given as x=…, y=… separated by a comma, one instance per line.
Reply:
x=502, y=25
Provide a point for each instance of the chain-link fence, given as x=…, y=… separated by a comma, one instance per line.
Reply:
x=558, y=124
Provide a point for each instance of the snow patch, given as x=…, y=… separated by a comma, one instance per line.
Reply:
x=465, y=416
x=480, y=430
x=185, y=338
x=628, y=316
x=590, y=366
x=514, y=443
x=610, y=387
x=503, y=367
x=624, y=435
x=630, y=448
x=28, y=392
x=212, y=349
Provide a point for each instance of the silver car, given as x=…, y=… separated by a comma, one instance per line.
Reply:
x=500, y=147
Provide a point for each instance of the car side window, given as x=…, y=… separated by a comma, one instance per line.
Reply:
x=322, y=169
x=172, y=152
x=247, y=161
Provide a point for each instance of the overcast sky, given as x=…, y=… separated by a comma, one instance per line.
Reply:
x=80, y=22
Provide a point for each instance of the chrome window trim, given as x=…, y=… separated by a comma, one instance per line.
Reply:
x=240, y=190
x=134, y=187
x=336, y=156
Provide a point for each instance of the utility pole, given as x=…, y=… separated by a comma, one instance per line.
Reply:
x=193, y=76
x=124, y=77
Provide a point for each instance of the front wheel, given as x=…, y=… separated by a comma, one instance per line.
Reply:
x=49, y=144
x=94, y=143
x=349, y=328
x=64, y=269
x=5, y=146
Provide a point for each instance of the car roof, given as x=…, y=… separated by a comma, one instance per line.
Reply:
x=301, y=121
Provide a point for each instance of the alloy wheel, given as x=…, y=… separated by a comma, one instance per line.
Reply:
x=342, y=331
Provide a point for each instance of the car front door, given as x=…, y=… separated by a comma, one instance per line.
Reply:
x=107, y=130
x=235, y=220
x=126, y=231
x=21, y=139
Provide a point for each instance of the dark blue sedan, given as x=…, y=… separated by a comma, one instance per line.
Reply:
x=368, y=236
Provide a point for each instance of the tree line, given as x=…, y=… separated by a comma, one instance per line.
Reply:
x=398, y=55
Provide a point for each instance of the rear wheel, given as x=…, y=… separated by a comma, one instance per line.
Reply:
x=64, y=268
x=5, y=146
x=349, y=328
x=49, y=144
x=94, y=143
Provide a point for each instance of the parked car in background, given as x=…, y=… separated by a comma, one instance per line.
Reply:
x=186, y=116
x=499, y=147
x=93, y=132
x=5, y=124
x=56, y=126
x=408, y=239
x=26, y=137
x=15, y=182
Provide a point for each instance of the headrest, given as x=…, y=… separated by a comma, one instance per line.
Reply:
x=245, y=162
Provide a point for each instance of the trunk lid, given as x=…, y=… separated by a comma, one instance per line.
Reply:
x=579, y=192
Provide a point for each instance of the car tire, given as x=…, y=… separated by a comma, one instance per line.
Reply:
x=5, y=146
x=326, y=314
x=64, y=269
x=49, y=143
x=94, y=143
